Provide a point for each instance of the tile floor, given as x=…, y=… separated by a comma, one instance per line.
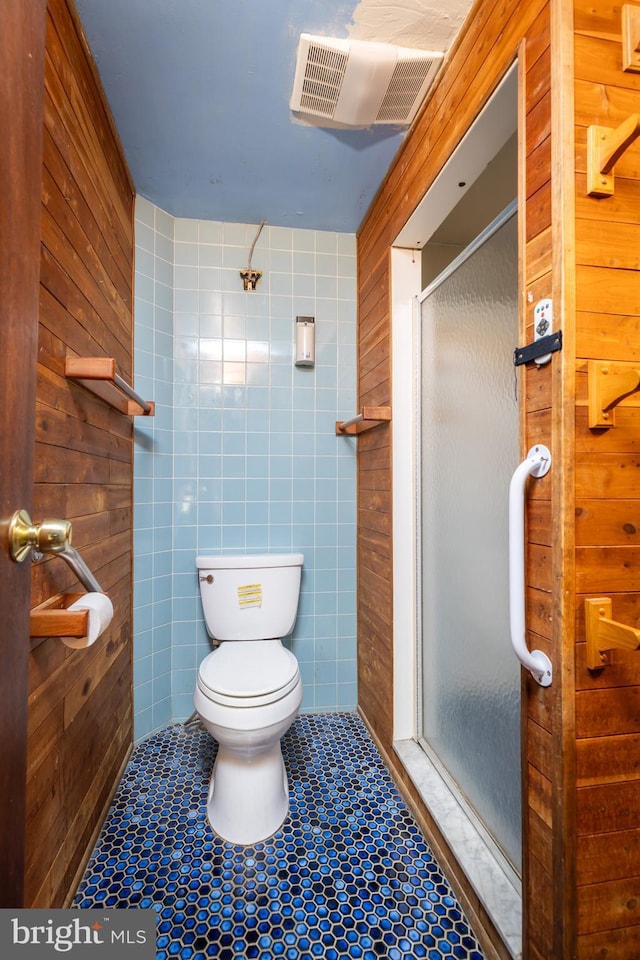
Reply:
x=348, y=875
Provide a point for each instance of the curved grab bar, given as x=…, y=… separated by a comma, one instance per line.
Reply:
x=537, y=663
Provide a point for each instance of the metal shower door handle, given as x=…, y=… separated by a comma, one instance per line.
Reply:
x=537, y=464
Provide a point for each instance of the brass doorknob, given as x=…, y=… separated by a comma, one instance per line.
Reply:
x=49, y=536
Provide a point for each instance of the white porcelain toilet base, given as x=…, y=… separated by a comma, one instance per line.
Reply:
x=248, y=794
x=248, y=800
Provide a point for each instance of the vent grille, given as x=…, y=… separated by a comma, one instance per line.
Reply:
x=324, y=72
x=404, y=88
x=356, y=83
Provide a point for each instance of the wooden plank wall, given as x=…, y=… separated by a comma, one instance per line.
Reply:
x=608, y=505
x=543, y=864
x=80, y=701
x=494, y=34
x=21, y=93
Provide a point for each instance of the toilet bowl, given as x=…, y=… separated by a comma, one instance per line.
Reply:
x=249, y=689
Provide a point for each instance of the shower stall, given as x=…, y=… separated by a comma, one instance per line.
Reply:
x=457, y=307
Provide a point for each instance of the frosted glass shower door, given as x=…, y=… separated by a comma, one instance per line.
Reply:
x=470, y=678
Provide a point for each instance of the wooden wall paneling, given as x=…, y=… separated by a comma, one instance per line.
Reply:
x=605, y=759
x=22, y=43
x=539, y=834
x=563, y=290
x=596, y=865
x=80, y=703
x=614, y=944
x=63, y=235
x=605, y=907
x=602, y=243
x=608, y=335
x=540, y=940
x=375, y=386
x=538, y=211
x=82, y=205
x=538, y=427
x=597, y=18
x=79, y=274
x=609, y=111
x=617, y=525
x=538, y=117
x=538, y=257
x=537, y=397
x=601, y=62
x=608, y=723
x=539, y=611
x=599, y=289
x=608, y=474
x=538, y=167
x=91, y=119
x=608, y=808
x=86, y=778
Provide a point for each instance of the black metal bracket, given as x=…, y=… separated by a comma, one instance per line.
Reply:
x=539, y=348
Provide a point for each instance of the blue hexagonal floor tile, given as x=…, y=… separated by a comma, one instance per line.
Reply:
x=349, y=875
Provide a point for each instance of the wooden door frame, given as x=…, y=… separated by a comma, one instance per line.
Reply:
x=22, y=42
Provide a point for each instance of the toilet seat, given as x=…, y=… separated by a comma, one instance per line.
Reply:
x=251, y=673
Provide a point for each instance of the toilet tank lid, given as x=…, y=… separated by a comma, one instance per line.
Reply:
x=249, y=562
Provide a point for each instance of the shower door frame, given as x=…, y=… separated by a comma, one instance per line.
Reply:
x=500, y=221
x=498, y=889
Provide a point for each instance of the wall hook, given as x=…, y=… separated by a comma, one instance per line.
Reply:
x=603, y=633
x=605, y=146
x=609, y=382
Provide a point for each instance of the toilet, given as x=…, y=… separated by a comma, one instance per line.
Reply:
x=249, y=688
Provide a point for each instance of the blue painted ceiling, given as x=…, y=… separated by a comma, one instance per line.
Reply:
x=199, y=91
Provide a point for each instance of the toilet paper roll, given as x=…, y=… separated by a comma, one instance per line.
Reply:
x=100, y=615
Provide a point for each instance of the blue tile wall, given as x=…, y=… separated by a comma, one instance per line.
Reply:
x=242, y=455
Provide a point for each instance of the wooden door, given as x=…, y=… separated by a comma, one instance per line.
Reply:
x=21, y=97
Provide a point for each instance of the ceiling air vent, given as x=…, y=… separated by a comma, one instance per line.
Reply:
x=356, y=83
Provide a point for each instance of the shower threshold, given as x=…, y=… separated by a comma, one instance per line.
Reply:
x=495, y=882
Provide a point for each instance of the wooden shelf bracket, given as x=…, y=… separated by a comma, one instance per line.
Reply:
x=631, y=38
x=603, y=633
x=367, y=418
x=609, y=382
x=98, y=375
x=605, y=146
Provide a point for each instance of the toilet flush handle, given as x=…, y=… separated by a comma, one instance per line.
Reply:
x=209, y=578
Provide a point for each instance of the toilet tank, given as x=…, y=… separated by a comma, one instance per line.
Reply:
x=250, y=597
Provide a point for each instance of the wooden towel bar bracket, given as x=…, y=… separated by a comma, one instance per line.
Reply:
x=631, y=38
x=603, y=633
x=605, y=146
x=98, y=375
x=369, y=417
x=609, y=383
